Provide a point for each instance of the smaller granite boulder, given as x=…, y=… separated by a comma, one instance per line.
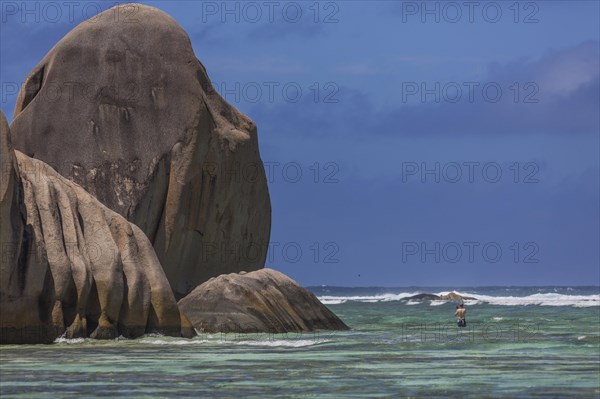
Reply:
x=260, y=301
x=453, y=296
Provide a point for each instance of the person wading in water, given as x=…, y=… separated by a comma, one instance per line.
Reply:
x=461, y=312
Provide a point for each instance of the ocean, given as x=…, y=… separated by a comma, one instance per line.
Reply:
x=520, y=342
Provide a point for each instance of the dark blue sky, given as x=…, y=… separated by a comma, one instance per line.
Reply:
x=437, y=144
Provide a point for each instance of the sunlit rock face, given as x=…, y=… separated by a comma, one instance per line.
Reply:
x=122, y=106
x=261, y=301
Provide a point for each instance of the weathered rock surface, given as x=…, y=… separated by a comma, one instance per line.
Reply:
x=72, y=265
x=260, y=301
x=451, y=296
x=122, y=106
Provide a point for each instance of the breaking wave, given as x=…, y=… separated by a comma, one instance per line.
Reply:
x=540, y=299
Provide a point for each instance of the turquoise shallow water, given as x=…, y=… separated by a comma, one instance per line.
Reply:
x=534, y=342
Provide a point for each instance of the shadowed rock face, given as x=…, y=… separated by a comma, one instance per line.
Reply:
x=74, y=266
x=26, y=284
x=122, y=106
x=260, y=301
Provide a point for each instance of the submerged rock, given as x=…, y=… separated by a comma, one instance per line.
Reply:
x=259, y=301
x=451, y=296
x=122, y=106
x=423, y=297
x=73, y=266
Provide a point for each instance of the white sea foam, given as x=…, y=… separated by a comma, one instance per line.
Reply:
x=547, y=299
x=437, y=303
x=281, y=342
x=70, y=341
x=247, y=342
x=176, y=342
x=335, y=300
x=498, y=318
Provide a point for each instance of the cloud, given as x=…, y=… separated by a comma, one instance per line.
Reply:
x=557, y=93
x=280, y=30
x=560, y=219
x=558, y=72
x=283, y=24
x=269, y=65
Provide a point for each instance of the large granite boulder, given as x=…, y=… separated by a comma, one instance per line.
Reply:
x=70, y=265
x=260, y=301
x=122, y=106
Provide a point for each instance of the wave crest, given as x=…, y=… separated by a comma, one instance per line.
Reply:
x=545, y=299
